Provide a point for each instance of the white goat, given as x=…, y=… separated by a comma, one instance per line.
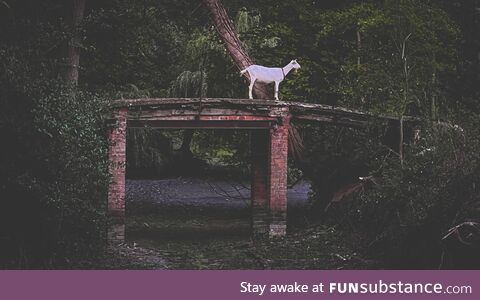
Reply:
x=268, y=75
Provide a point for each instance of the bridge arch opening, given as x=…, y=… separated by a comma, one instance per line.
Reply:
x=267, y=124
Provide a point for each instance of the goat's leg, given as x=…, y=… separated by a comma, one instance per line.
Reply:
x=250, y=88
x=277, y=84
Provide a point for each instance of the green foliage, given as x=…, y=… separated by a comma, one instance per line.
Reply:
x=227, y=146
x=410, y=208
x=128, y=44
x=402, y=215
x=190, y=85
x=391, y=54
x=74, y=151
x=246, y=22
x=55, y=177
x=149, y=153
x=397, y=58
x=54, y=167
x=388, y=57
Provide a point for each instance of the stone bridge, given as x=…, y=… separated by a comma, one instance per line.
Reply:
x=268, y=122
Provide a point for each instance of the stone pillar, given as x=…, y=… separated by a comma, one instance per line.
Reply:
x=116, y=189
x=278, y=178
x=259, y=143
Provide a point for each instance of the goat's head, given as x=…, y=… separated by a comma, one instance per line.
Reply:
x=295, y=64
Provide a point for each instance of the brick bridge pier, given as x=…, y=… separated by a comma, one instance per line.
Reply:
x=268, y=122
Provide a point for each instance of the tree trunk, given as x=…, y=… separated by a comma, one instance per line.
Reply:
x=240, y=57
x=234, y=46
x=75, y=13
x=359, y=46
x=187, y=140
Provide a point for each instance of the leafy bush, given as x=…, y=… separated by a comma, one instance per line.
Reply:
x=411, y=208
x=402, y=216
x=55, y=173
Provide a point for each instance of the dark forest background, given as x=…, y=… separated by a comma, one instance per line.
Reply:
x=59, y=71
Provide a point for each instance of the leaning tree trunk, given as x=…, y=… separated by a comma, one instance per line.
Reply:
x=242, y=60
x=232, y=43
x=75, y=11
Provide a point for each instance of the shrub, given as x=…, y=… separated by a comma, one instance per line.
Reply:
x=55, y=173
x=402, y=217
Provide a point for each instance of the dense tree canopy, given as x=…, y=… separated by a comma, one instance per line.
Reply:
x=396, y=57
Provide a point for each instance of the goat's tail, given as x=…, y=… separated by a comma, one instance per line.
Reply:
x=242, y=72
